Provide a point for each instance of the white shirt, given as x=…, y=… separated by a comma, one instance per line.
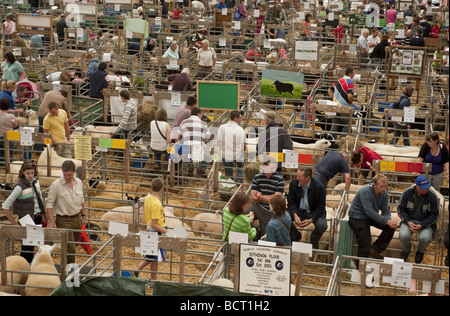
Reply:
x=231, y=139
x=157, y=142
x=373, y=40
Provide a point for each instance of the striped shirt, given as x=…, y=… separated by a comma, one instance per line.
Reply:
x=194, y=133
x=342, y=88
x=129, y=119
x=268, y=186
x=241, y=224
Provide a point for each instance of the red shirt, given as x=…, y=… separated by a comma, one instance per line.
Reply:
x=338, y=34
x=369, y=157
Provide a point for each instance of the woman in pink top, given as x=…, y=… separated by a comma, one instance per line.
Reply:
x=391, y=15
x=435, y=29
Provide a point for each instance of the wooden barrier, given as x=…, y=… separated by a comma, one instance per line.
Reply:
x=18, y=232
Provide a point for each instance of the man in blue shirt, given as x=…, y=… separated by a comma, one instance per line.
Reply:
x=332, y=163
x=365, y=212
x=306, y=203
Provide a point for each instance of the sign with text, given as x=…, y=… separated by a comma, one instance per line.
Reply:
x=264, y=270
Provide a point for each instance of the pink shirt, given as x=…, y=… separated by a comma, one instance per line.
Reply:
x=391, y=16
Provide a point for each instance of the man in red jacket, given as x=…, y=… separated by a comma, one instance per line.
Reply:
x=363, y=158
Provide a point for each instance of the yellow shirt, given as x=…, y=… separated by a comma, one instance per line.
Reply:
x=153, y=210
x=56, y=125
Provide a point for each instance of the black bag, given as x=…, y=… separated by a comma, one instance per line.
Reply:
x=396, y=105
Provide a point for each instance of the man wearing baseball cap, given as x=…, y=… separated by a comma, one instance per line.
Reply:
x=419, y=210
x=206, y=60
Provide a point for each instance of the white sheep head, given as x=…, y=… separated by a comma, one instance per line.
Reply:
x=45, y=249
x=322, y=143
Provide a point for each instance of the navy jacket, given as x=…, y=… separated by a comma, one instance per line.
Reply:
x=316, y=199
x=405, y=208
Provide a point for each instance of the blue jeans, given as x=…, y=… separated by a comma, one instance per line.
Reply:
x=229, y=170
x=425, y=237
x=158, y=155
x=400, y=130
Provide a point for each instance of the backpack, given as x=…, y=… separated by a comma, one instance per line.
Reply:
x=396, y=105
x=236, y=15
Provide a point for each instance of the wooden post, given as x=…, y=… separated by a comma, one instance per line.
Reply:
x=2, y=257
x=216, y=176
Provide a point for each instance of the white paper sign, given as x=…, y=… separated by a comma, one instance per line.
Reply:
x=35, y=236
x=176, y=98
x=129, y=33
x=222, y=42
x=106, y=56
x=116, y=228
x=290, y=159
x=302, y=247
x=409, y=114
x=149, y=243
x=264, y=270
x=331, y=16
x=26, y=220
x=26, y=137
x=401, y=273
x=237, y=238
x=224, y=11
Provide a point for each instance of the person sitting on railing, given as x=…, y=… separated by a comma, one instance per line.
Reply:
x=418, y=208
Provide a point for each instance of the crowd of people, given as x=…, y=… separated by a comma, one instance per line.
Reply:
x=268, y=213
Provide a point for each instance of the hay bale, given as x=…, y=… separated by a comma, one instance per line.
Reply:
x=351, y=143
x=146, y=114
x=251, y=169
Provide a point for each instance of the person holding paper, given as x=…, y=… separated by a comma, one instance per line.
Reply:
x=156, y=222
x=364, y=212
x=235, y=220
x=306, y=203
x=26, y=199
x=172, y=53
x=65, y=206
x=432, y=151
x=418, y=208
x=401, y=128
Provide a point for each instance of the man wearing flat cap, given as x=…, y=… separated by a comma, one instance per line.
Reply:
x=206, y=60
x=274, y=138
x=418, y=208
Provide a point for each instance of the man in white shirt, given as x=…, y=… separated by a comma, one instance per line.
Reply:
x=206, y=60
x=65, y=206
x=363, y=45
x=373, y=40
x=231, y=141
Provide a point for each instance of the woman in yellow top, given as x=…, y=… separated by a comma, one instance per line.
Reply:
x=156, y=222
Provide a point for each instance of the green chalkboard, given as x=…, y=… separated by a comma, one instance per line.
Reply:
x=218, y=95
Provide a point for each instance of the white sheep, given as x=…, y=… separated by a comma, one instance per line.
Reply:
x=306, y=232
x=56, y=160
x=395, y=153
x=98, y=131
x=42, y=262
x=15, y=263
x=312, y=149
x=208, y=223
x=32, y=118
